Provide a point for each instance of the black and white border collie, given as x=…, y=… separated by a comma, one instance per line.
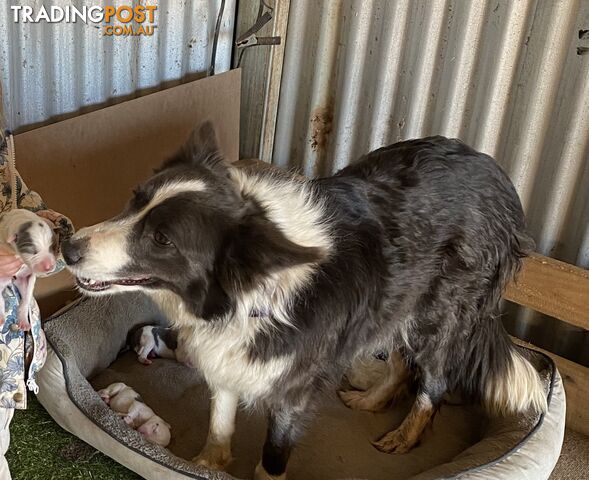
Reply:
x=278, y=283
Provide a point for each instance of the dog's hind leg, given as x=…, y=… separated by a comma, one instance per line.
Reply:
x=390, y=388
x=430, y=393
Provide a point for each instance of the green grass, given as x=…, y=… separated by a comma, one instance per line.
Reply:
x=41, y=450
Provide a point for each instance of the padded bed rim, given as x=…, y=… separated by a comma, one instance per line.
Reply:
x=532, y=432
x=68, y=384
x=134, y=450
x=224, y=476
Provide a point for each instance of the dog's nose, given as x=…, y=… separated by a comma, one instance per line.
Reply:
x=73, y=250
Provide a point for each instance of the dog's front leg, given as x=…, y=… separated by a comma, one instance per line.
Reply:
x=284, y=429
x=216, y=453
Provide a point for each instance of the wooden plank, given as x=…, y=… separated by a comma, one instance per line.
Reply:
x=554, y=288
x=254, y=67
x=85, y=167
x=575, y=378
x=281, y=9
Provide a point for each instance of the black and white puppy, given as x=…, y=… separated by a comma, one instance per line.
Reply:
x=153, y=341
x=33, y=240
x=277, y=283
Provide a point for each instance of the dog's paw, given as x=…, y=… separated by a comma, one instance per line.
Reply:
x=261, y=474
x=214, y=457
x=359, y=400
x=393, y=442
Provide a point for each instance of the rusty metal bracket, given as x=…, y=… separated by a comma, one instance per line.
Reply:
x=250, y=39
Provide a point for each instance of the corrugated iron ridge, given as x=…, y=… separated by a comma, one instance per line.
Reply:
x=52, y=70
x=503, y=76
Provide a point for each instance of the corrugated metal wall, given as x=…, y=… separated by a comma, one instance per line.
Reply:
x=506, y=76
x=49, y=71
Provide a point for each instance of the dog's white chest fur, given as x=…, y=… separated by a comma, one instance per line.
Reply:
x=221, y=354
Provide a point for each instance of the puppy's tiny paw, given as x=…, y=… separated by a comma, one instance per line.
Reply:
x=185, y=361
x=128, y=420
x=24, y=325
x=358, y=400
x=393, y=442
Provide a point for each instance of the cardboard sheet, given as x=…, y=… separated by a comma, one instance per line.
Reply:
x=85, y=167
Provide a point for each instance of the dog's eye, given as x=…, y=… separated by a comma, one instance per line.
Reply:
x=161, y=239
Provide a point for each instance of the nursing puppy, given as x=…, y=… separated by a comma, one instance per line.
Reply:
x=278, y=283
x=153, y=341
x=32, y=240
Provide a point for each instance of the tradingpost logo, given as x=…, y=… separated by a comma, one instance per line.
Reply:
x=124, y=20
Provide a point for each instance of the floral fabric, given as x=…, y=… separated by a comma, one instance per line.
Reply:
x=22, y=355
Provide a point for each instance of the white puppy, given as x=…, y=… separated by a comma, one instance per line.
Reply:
x=156, y=430
x=128, y=404
x=119, y=396
x=32, y=240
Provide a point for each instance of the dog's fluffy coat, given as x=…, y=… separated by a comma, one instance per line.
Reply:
x=278, y=283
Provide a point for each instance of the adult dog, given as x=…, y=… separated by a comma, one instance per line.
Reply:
x=278, y=283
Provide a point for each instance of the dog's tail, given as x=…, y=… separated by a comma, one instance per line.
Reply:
x=515, y=388
x=494, y=369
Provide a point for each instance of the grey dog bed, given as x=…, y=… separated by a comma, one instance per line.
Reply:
x=85, y=345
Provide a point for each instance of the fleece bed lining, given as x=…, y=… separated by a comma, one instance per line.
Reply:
x=465, y=426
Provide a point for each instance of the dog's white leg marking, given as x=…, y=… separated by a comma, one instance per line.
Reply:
x=216, y=453
x=25, y=285
x=261, y=474
x=392, y=386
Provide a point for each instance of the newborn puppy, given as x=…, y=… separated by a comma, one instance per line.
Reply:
x=156, y=430
x=137, y=414
x=151, y=341
x=119, y=396
x=32, y=240
x=128, y=404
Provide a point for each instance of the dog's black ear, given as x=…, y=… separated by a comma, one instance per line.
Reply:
x=201, y=148
x=208, y=300
x=258, y=249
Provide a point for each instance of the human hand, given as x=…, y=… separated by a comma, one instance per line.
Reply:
x=9, y=262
